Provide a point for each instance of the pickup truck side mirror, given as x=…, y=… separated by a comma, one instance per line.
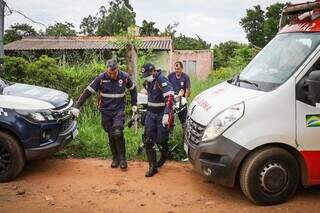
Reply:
x=313, y=82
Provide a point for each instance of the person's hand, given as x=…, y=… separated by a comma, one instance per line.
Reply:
x=134, y=108
x=181, y=93
x=144, y=91
x=184, y=101
x=165, y=120
x=75, y=112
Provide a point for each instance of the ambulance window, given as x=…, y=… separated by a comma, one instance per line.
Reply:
x=306, y=42
x=302, y=88
x=280, y=59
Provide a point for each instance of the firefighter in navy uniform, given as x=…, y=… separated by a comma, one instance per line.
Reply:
x=111, y=86
x=159, y=116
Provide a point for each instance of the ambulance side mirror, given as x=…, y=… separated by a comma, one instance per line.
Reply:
x=313, y=82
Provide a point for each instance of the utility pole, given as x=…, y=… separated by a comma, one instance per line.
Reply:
x=2, y=7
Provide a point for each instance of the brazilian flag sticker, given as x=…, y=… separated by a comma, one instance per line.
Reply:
x=313, y=120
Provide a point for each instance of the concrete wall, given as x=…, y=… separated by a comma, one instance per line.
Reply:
x=200, y=60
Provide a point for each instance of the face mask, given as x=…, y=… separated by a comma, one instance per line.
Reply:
x=150, y=78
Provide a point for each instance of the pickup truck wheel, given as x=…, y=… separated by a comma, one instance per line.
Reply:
x=12, y=159
x=269, y=176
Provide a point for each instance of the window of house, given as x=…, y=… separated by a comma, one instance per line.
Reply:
x=190, y=67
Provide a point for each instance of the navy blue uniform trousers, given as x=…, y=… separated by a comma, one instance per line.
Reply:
x=154, y=129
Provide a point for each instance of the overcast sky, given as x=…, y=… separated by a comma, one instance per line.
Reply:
x=215, y=21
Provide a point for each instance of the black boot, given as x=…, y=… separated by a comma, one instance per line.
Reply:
x=122, y=154
x=115, y=160
x=152, y=157
x=164, y=150
x=121, y=148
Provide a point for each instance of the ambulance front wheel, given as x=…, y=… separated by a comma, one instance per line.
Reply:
x=269, y=176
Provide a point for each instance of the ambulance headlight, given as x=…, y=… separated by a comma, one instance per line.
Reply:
x=222, y=122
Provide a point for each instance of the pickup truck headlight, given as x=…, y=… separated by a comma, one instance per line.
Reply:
x=222, y=122
x=37, y=116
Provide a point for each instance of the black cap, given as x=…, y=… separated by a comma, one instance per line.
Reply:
x=147, y=69
x=112, y=64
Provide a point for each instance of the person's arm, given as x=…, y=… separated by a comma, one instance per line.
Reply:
x=168, y=94
x=188, y=88
x=187, y=93
x=93, y=87
x=133, y=92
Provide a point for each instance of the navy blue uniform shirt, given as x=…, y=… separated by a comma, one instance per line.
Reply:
x=182, y=83
x=158, y=91
x=111, y=92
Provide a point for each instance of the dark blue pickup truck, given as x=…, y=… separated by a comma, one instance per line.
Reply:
x=34, y=122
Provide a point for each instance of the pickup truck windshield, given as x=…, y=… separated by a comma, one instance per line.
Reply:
x=279, y=60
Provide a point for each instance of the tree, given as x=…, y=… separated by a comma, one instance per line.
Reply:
x=187, y=43
x=170, y=30
x=253, y=26
x=88, y=25
x=61, y=29
x=116, y=19
x=261, y=26
x=241, y=56
x=271, y=23
x=224, y=52
x=148, y=29
x=17, y=31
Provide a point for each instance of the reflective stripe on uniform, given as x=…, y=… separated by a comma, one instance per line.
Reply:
x=106, y=95
x=131, y=88
x=156, y=104
x=91, y=89
x=168, y=93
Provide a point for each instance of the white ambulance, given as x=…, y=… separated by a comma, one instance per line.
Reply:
x=262, y=128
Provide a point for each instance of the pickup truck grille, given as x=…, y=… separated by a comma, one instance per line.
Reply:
x=64, y=116
x=194, y=131
x=66, y=123
x=63, y=112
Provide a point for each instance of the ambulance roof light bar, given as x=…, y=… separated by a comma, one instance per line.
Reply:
x=296, y=9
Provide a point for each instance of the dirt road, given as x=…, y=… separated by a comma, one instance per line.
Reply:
x=91, y=186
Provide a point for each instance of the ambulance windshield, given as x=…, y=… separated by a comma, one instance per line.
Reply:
x=279, y=60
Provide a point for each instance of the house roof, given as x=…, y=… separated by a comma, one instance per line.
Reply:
x=86, y=43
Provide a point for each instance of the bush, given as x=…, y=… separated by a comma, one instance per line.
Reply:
x=45, y=72
x=15, y=69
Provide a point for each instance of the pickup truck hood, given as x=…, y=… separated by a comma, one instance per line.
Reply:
x=216, y=99
x=35, y=95
x=29, y=104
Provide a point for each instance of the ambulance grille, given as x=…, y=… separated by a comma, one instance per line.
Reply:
x=194, y=131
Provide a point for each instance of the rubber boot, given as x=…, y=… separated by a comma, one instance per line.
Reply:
x=152, y=157
x=115, y=159
x=164, y=150
x=122, y=154
x=121, y=149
